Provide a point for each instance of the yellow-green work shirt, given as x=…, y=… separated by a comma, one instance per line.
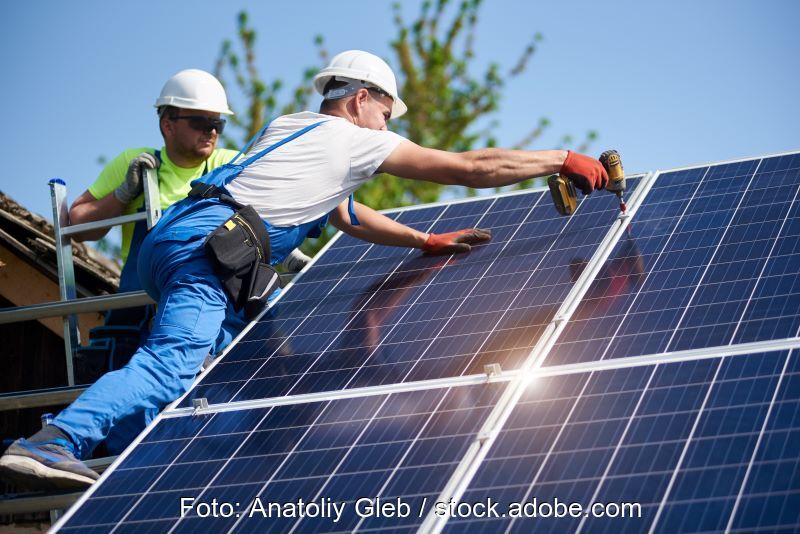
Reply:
x=173, y=182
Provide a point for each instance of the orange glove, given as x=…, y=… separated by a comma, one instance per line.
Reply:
x=454, y=242
x=586, y=173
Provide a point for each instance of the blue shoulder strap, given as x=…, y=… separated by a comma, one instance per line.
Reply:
x=250, y=142
x=280, y=143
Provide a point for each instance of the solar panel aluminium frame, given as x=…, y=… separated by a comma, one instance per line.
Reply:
x=517, y=379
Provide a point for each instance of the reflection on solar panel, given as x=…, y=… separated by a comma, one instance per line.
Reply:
x=651, y=368
x=368, y=315
x=387, y=446
x=699, y=446
x=712, y=259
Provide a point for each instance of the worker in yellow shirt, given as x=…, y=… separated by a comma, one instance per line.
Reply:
x=190, y=109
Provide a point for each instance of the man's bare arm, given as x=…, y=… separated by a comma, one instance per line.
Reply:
x=487, y=167
x=86, y=208
x=376, y=228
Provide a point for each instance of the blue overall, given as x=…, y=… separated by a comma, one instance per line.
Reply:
x=194, y=314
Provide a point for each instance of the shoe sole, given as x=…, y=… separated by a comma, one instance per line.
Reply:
x=35, y=475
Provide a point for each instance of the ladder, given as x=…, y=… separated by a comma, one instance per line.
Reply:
x=69, y=305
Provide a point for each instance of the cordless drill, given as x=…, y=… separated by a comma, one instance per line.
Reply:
x=563, y=190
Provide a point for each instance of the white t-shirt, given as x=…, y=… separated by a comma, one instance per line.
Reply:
x=312, y=174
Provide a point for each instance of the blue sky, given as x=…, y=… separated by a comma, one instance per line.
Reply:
x=666, y=83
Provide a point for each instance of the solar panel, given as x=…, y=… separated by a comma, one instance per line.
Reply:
x=369, y=315
x=666, y=356
x=403, y=445
x=698, y=446
x=711, y=259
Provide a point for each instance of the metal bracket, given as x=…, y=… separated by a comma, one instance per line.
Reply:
x=199, y=405
x=492, y=370
x=485, y=436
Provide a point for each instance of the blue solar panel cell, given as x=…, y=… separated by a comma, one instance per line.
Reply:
x=685, y=442
x=404, y=445
x=712, y=258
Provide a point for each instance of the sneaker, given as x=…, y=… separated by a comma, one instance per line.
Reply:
x=45, y=465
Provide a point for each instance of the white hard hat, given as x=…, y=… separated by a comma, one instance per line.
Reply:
x=194, y=89
x=364, y=67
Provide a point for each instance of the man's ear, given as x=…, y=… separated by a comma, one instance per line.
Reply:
x=362, y=95
x=167, y=126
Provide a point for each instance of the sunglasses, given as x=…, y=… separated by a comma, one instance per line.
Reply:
x=202, y=124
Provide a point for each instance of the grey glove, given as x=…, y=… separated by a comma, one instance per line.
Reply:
x=295, y=261
x=132, y=186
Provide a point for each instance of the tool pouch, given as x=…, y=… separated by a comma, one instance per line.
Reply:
x=239, y=251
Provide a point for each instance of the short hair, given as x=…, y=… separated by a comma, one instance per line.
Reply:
x=166, y=112
x=333, y=83
x=338, y=83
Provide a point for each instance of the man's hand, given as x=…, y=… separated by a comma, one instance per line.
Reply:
x=454, y=242
x=586, y=173
x=295, y=261
x=132, y=186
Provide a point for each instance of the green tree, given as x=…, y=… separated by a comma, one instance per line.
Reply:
x=450, y=108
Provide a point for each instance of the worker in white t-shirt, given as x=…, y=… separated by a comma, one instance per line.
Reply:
x=299, y=174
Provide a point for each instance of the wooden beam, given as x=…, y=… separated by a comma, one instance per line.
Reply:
x=24, y=285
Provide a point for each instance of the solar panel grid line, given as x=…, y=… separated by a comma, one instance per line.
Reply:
x=367, y=391
x=557, y=441
x=719, y=307
x=764, y=266
x=231, y=456
x=662, y=254
x=173, y=461
x=205, y=372
x=366, y=302
x=614, y=454
x=687, y=443
x=757, y=446
x=316, y=352
x=288, y=456
x=469, y=353
x=471, y=461
x=419, y=296
x=504, y=376
x=635, y=411
x=601, y=254
x=628, y=478
x=401, y=461
x=714, y=254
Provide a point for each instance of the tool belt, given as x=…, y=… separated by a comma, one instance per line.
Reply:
x=239, y=251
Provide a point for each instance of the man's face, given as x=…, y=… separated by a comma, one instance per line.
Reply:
x=375, y=111
x=183, y=136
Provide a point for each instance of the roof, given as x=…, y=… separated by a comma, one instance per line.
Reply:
x=30, y=237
